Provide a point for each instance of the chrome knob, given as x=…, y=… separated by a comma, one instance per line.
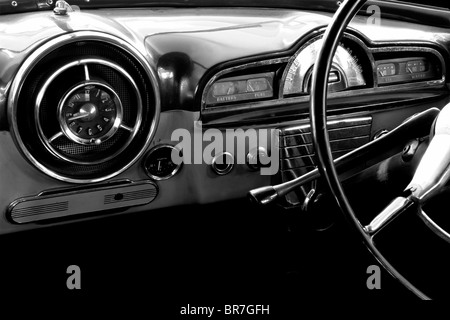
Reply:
x=222, y=163
x=61, y=8
x=256, y=158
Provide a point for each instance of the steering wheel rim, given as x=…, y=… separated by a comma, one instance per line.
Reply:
x=318, y=107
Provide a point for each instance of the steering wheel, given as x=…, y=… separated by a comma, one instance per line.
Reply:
x=431, y=175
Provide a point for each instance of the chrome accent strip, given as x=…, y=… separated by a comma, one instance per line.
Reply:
x=37, y=55
x=125, y=127
x=387, y=47
x=293, y=102
x=332, y=124
x=86, y=73
x=56, y=136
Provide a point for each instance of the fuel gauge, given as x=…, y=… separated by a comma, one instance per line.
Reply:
x=416, y=66
x=386, y=69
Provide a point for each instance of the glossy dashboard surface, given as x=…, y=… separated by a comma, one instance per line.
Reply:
x=222, y=34
x=187, y=50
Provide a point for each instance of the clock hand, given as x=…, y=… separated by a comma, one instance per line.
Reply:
x=79, y=115
x=88, y=110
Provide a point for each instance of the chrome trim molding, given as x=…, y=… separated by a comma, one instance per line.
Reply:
x=375, y=48
x=46, y=48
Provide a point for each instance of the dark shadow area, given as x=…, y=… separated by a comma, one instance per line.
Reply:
x=227, y=253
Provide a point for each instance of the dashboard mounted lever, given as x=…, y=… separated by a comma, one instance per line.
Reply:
x=414, y=127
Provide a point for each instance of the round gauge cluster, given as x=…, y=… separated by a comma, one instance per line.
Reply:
x=85, y=107
x=347, y=70
x=90, y=113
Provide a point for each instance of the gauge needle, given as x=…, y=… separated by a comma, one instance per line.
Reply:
x=159, y=165
x=79, y=115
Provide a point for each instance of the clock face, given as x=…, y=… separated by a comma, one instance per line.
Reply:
x=90, y=113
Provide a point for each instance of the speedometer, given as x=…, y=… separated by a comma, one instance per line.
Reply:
x=346, y=71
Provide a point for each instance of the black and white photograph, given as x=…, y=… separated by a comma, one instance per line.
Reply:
x=233, y=159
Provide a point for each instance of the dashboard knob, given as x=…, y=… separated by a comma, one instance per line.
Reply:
x=222, y=163
x=256, y=158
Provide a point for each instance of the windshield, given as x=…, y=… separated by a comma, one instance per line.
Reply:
x=40, y=4
x=389, y=6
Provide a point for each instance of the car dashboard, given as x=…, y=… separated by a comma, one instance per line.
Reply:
x=93, y=104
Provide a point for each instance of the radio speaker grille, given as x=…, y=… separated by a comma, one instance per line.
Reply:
x=297, y=150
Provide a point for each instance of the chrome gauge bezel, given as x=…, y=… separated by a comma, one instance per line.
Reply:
x=168, y=176
x=116, y=119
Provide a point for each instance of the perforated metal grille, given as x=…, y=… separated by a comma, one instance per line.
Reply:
x=71, y=148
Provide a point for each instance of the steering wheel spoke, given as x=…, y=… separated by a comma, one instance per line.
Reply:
x=55, y=136
x=393, y=210
x=434, y=226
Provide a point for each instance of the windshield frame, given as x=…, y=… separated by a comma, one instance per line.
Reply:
x=417, y=11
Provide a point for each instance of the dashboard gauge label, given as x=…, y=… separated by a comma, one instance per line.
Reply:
x=241, y=88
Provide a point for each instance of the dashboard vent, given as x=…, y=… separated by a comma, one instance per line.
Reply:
x=69, y=203
x=297, y=150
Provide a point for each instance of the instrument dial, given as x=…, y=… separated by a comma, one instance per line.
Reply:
x=346, y=71
x=159, y=165
x=90, y=113
x=386, y=69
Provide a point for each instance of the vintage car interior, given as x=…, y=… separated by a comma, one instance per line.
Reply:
x=345, y=99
